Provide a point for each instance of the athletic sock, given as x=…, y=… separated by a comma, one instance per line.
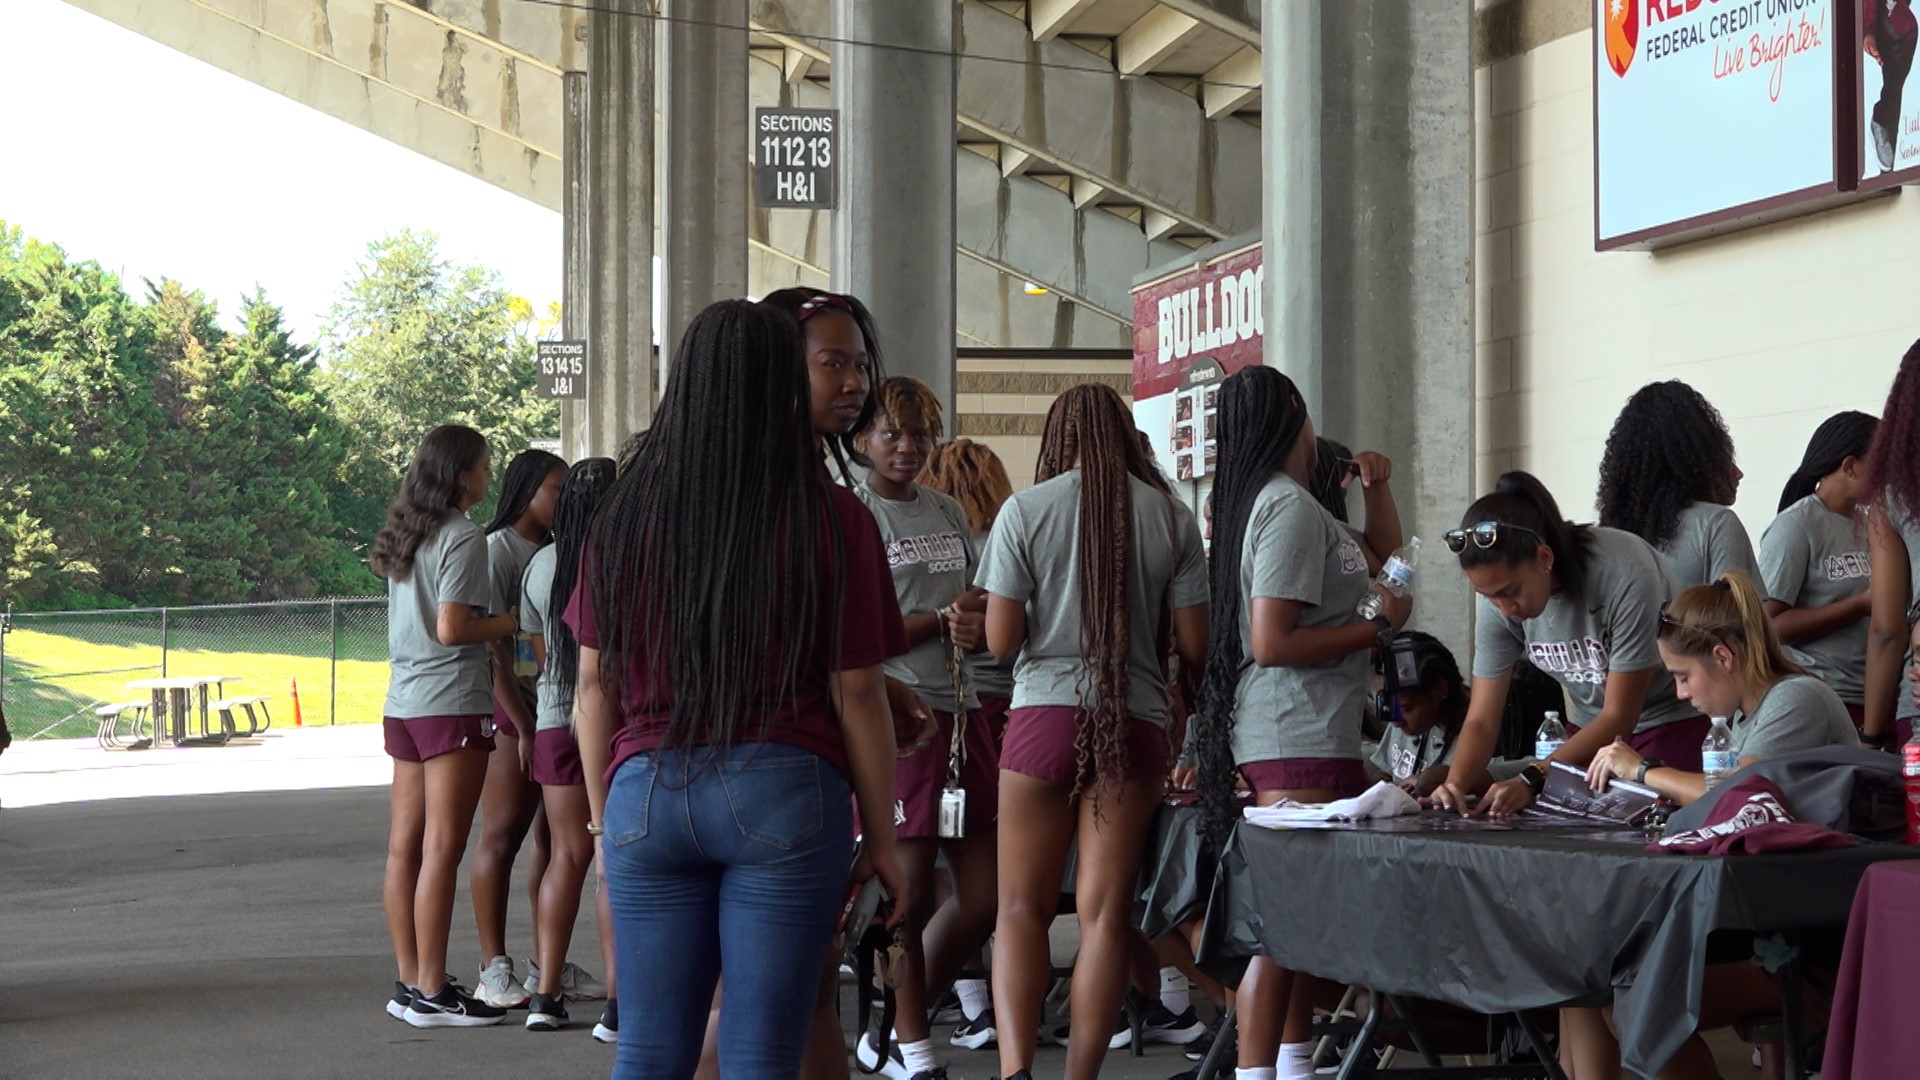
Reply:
x=1175, y=991
x=1296, y=1061
x=1253, y=1074
x=974, y=997
x=918, y=1056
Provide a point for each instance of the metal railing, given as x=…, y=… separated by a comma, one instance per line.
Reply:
x=328, y=655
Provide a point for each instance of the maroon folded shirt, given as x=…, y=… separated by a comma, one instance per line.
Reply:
x=1752, y=818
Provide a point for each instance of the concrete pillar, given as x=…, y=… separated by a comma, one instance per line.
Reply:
x=893, y=234
x=704, y=108
x=618, y=179
x=1368, y=133
x=574, y=272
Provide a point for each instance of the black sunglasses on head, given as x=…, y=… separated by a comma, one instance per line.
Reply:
x=1484, y=535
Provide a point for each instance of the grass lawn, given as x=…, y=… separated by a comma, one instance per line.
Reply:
x=53, y=680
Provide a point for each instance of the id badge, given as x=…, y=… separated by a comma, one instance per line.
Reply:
x=953, y=814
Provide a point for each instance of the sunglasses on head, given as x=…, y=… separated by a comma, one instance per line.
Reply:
x=1668, y=622
x=1484, y=535
x=822, y=303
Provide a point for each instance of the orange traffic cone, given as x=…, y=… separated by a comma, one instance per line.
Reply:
x=296, y=702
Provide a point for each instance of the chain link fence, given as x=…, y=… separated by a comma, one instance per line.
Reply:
x=57, y=667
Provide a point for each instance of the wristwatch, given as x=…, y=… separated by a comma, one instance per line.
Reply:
x=1647, y=765
x=1535, y=777
x=1384, y=625
x=595, y=830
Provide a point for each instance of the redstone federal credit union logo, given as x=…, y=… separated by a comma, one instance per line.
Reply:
x=1623, y=33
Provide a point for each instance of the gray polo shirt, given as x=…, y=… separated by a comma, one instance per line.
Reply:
x=1811, y=557
x=1711, y=541
x=932, y=558
x=1295, y=549
x=428, y=678
x=538, y=616
x=1033, y=558
x=1579, y=640
x=1797, y=713
x=990, y=676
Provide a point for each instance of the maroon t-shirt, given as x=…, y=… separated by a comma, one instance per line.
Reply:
x=871, y=632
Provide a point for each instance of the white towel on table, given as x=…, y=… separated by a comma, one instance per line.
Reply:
x=1382, y=800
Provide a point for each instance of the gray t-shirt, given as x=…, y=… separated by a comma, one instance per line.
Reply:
x=428, y=678
x=537, y=616
x=1578, y=640
x=932, y=559
x=991, y=677
x=1909, y=528
x=1711, y=541
x=1296, y=550
x=1403, y=756
x=1811, y=557
x=1033, y=557
x=508, y=554
x=1797, y=713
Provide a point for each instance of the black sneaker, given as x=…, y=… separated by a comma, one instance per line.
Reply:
x=608, y=1029
x=397, y=1004
x=977, y=1033
x=1160, y=1025
x=451, y=1007
x=1121, y=1039
x=547, y=1013
x=938, y=1072
x=1197, y=1049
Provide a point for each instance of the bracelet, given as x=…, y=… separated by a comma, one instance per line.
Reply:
x=1879, y=740
x=595, y=830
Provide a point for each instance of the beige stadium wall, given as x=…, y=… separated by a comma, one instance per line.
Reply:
x=1003, y=396
x=1779, y=326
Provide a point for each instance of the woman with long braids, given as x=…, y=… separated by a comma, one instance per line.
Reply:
x=510, y=805
x=554, y=571
x=438, y=723
x=1814, y=563
x=733, y=614
x=933, y=563
x=1087, y=573
x=1893, y=538
x=1286, y=678
x=843, y=364
x=1668, y=476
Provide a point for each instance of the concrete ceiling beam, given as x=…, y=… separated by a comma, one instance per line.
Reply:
x=1048, y=19
x=1232, y=85
x=1157, y=35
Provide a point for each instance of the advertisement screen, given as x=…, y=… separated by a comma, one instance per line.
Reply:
x=1708, y=111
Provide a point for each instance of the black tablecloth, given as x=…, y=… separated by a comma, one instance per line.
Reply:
x=1497, y=921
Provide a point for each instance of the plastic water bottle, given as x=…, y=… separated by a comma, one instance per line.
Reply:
x=1716, y=753
x=1396, y=577
x=1910, y=768
x=1551, y=737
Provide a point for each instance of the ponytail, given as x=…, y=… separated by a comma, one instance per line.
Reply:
x=1841, y=436
x=1729, y=612
x=1520, y=499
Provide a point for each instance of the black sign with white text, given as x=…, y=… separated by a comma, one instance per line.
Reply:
x=562, y=369
x=794, y=155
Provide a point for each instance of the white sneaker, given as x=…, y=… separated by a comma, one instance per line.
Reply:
x=576, y=983
x=499, y=986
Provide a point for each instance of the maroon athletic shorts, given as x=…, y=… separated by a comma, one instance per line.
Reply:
x=417, y=738
x=1677, y=744
x=556, y=758
x=1039, y=744
x=1345, y=777
x=919, y=780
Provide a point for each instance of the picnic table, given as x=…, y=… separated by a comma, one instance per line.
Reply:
x=173, y=701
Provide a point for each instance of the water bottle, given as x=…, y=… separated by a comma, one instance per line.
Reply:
x=1910, y=769
x=1396, y=577
x=1552, y=736
x=1717, y=759
x=525, y=664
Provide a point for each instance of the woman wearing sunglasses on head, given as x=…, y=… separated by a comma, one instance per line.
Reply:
x=1583, y=604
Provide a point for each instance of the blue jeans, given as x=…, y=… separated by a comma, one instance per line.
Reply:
x=731, y=861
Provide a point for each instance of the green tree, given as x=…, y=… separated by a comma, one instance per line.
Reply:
x=78, y=424
x=416, y=341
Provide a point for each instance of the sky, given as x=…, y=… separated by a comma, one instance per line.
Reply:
x=153, y=164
